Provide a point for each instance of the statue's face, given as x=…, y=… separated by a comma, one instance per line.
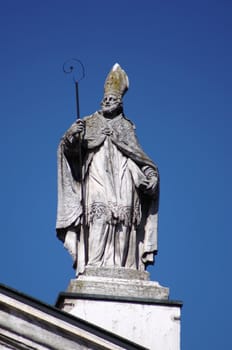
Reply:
x=110, y=103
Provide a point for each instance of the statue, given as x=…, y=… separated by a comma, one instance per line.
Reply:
x=108, y=188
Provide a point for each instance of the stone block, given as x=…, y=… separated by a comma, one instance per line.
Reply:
x=119, y=282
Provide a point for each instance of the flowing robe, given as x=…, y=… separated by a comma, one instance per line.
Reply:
x=117, y=226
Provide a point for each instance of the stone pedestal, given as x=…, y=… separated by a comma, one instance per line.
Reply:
x=125, y=302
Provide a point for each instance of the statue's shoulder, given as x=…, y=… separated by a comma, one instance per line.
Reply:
x=89, y=117
x=127, y=122
x=92, y=117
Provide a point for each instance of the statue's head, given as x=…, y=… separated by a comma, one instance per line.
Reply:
x=116, y=85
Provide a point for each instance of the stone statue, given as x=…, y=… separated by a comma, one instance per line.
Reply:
x=108, y=188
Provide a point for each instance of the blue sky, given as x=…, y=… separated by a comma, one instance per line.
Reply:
x=177, y=55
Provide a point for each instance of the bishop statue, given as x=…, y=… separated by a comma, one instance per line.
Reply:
x=108, y=188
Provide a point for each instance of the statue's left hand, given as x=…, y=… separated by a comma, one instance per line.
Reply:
x=152, y=180
x=152, y=183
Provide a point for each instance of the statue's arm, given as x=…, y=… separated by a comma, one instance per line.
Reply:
x=72, y=135
x=152, y=176
x=71, y=148
x=148, y=168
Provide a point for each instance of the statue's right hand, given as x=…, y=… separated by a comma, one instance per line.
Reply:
x=74, y=131
x=77, y=127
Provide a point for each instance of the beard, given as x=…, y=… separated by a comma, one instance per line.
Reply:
x=112, y=110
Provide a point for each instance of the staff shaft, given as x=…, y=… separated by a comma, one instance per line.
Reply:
x=81, y=174
x=77, y=100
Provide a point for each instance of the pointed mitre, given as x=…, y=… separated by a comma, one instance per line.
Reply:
x=117, y=82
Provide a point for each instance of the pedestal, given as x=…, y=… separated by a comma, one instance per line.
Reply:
x=125, y=302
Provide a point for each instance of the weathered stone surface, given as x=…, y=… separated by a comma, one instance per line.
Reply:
x=151, y=323
x=126, y=302
x=112, y=286
x=26, y=324
x=119, y=273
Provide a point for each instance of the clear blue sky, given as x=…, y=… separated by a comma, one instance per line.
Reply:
x=178, y=57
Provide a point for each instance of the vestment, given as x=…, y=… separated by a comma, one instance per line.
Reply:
x=120, y=223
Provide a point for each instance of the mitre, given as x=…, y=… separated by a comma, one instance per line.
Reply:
x=117, y=82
